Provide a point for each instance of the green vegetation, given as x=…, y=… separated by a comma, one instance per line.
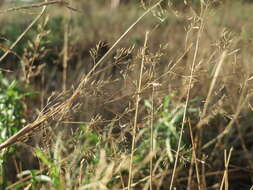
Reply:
x=11, y=117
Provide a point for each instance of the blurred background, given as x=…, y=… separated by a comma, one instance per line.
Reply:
x=94, y=135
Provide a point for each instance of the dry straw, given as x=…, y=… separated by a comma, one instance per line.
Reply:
x=67, y=104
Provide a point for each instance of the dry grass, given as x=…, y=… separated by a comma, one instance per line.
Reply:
x=152, y=111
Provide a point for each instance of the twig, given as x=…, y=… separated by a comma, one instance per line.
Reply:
x=35, y=5
x=225, y=175
x=194, y=157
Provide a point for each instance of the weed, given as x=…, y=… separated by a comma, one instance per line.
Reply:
x=11, y=116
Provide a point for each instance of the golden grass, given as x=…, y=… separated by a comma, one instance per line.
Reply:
x=95, y=130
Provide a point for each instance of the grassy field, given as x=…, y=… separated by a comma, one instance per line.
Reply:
x=143, y=95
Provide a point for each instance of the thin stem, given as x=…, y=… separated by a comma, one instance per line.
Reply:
x=35, y=5
x=194, y=157
x=187, y=102
x=65, y=54
x=136, y=112
x=152, y=135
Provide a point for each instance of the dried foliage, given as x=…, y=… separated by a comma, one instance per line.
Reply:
x=171, y=109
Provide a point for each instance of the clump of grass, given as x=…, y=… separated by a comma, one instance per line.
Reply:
x=148, y=117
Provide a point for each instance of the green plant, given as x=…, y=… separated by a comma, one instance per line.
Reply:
x=166, y=131
x=11, y=114
x=11, y=108
x=54, y=168
x=38, y=38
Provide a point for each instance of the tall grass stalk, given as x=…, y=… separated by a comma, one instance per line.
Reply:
x=136, y=112
x=200, y=30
